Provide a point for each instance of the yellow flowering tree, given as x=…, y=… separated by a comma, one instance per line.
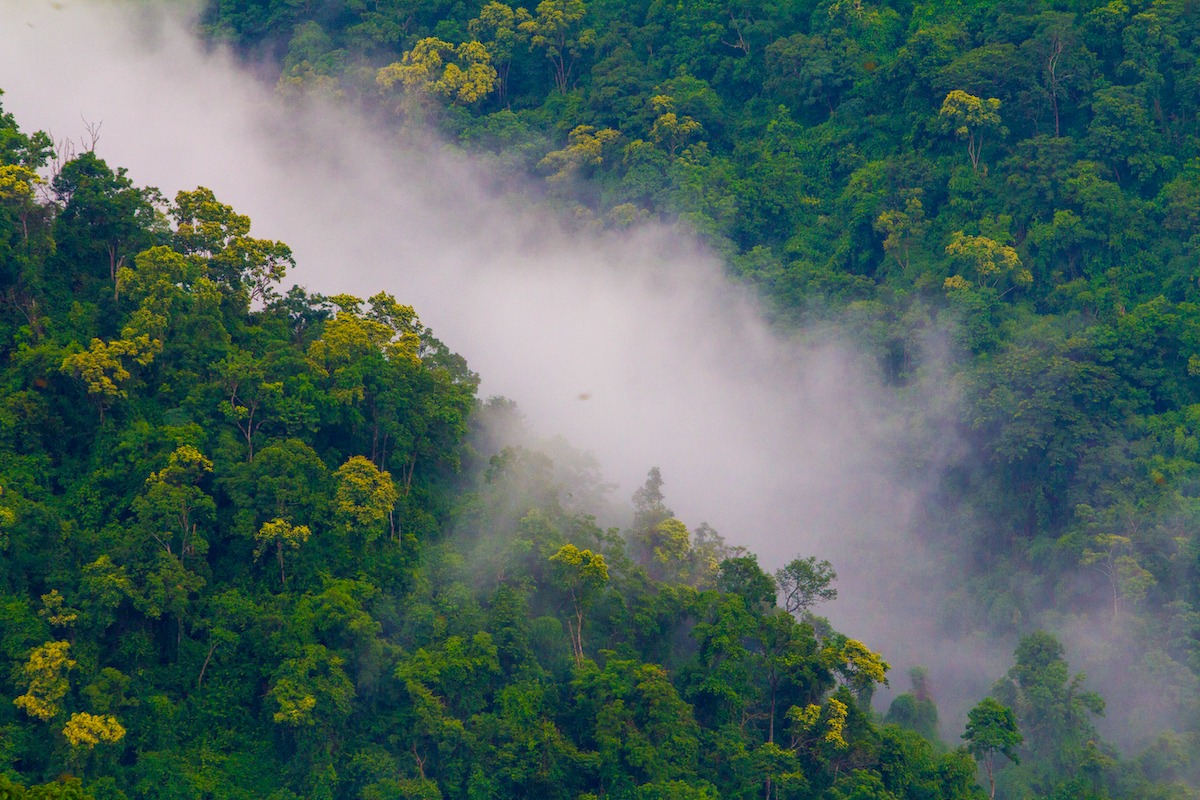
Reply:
x=463, y=74
x=88, y=730
x=46, y=680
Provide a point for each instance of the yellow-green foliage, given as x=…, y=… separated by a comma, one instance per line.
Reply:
x=295, y=706
x=835, y=724
x=17, y=182
x=991, y=261
x=388, y=329
x=103, y=366
x=56, y=612
x=46, y=678
x=588, y=567
x=89, y=730
x=806, y=721
x=281, y=532
x=205, y=225
x=585, y=147
x=670, y=130
x=365, y=495
x=435, y=67
x=968, y=117
x=671, y=541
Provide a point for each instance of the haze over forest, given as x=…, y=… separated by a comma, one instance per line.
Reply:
x=906, y=287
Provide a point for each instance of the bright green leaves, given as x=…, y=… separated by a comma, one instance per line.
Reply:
x=219, y=238
x=459, y=669
x=259, y=264
x=8, y=518
x=55, y=610
x=205, y=226
x=350, y=340
x=252, y=397
x=669, y=541
x=644, y=732
x=154, y=284
x=992, y=729
x=581, y=567
x=903, y=228
x=498, y=28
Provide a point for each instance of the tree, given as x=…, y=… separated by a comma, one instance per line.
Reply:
x=991, y=261
x=104, y=369
x=788, y=661
x=670, y=130
x=743, y=576
x=556, y=29
x=104, y=217
x=915, y=709
x=46, y=680
x=1127, y=579
x=203, y=225
x=365, y=497
x=582, y=573
x=498, y=26
x=804, y=582
x=463, y=74
x=251, y=395
x=88, y=730
x=313, y=695
x=903, y=228
x=1051, y=705
x=969, y=117
x=992, y=729
x=585, y=148
x=859, y=667
x=649, y=507
x=174, y=505
x=280, y=533
x=807, y=71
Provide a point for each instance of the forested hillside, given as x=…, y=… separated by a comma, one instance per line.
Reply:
x=1014, y=183
x=256, y=542
x=251, y=547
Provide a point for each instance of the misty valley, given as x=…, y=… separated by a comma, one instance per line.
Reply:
x=813, y=411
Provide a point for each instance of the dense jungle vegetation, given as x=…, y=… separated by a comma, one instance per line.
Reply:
x=258, y=543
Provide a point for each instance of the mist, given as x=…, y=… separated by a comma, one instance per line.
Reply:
x=633, y=346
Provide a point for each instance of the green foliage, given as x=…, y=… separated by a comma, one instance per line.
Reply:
x=169, y=415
